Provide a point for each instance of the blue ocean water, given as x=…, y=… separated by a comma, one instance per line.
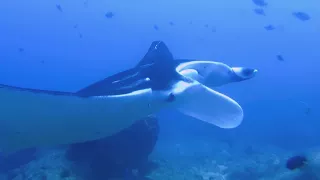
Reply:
x=67, y=45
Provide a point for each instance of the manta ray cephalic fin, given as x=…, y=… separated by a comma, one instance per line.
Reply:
x=212, y=107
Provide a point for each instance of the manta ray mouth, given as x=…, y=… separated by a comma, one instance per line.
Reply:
x=190, y=73
x=244, y=73
x=205, y=104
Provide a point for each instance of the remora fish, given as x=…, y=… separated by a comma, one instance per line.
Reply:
x=35, y=118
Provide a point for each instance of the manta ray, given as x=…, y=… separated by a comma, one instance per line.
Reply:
x=36, y=118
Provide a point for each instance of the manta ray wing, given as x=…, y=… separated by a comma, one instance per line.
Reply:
x=156, y=69
x=120, y=83
x=29, y=119
x=33, y=117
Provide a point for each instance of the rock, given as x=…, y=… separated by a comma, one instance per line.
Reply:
x=118, y=155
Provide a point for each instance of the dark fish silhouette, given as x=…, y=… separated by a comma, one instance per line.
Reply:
x=171, y=23
x=307, y=109
x=86, y=3
x=301, y=16
x=269, y=27
x=261, y=3
x=58, y=6
x=296, y=162
x=156, y=27
x=21, y=49
x=280, y=58
x=259, y=11
x=109, y=14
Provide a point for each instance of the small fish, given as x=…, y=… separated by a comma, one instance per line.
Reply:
x=85, y=3
x=171, y=97
x=307, y=109
x=296, y=162
x=171, y=23
x=269, y=27
x=58, y=6
x=301, y=16
x=280, y=58
x=261, y=3
x=80, y=35
x=109, y=14
x=75, y=26
x=21, y=49
x=156, y=27
x=259, y=11
x=206, y=25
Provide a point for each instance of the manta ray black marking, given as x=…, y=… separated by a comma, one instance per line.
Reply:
x=156, y=70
